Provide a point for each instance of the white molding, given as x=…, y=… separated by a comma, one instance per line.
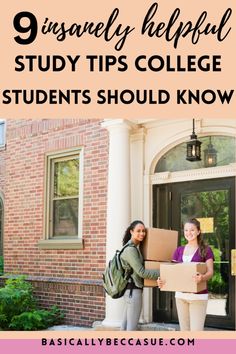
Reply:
x=138, y=135
x=118, y=123
x=190, y=175
x=163, y=135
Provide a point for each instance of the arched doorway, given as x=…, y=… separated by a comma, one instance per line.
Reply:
x=193, y=189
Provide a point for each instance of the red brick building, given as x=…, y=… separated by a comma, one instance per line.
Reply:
x=64, y=258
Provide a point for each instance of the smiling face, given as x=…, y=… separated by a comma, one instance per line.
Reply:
x=191, y=232
x=138, y=234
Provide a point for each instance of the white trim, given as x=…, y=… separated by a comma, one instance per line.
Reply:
x=197, y=174
x=115, y=123
x=180, y=136
x=4, y=123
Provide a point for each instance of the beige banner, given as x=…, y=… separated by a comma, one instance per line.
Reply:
x=118, y=59
x=117, y=334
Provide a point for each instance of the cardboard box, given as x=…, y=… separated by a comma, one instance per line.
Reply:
x=150, y=283
x=159, y=244
x=179, y=276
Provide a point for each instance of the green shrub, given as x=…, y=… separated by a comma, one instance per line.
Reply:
x=18, y=308
x=217, y=285
x=16, y=297
x=36, y=320
x=1, y=265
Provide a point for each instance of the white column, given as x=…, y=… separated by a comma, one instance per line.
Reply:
x=137, y=172
x=118, y=204
x=137, y=189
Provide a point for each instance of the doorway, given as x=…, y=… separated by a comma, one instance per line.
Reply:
x=213, y=203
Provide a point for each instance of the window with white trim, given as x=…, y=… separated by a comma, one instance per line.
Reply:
x=175, y=159
x=2, y=133
x=63, y=200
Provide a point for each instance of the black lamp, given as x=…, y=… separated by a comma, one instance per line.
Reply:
x=210, y=155
x=193, y=147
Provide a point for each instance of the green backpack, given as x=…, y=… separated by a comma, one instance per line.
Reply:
x=115, y=277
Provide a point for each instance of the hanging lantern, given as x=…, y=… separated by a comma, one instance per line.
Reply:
x=193, y=147
x=210, y=155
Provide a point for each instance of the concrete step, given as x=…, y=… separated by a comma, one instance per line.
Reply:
x=159, y=327
x=154, y=326
x=98, y=326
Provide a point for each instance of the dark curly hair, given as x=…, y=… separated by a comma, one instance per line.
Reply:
x=127, y=235
x=201, y=243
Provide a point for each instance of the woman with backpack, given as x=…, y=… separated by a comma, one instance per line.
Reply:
x=191, y=308
x=132, y=259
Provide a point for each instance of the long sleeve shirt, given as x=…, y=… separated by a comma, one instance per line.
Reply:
x=131, y=257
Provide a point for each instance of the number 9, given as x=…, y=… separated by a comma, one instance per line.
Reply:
x=32, y=28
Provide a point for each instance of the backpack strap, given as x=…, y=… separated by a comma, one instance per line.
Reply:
x=122, y=250
x=130, y=273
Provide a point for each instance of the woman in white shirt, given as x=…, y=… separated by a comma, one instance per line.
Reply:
x=191, y=308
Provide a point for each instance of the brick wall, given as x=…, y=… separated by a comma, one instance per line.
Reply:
x=82, y=305
x=78, y=271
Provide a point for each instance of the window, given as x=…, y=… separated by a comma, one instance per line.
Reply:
x=64, y=197
x=63, y=205
x=175, y=159
x=2, y=133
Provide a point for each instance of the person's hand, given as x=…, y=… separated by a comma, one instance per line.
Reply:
x=198, y=278
x=160, y=282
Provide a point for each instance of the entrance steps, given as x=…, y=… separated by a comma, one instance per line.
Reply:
x=98, y=326
x=153, y=326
